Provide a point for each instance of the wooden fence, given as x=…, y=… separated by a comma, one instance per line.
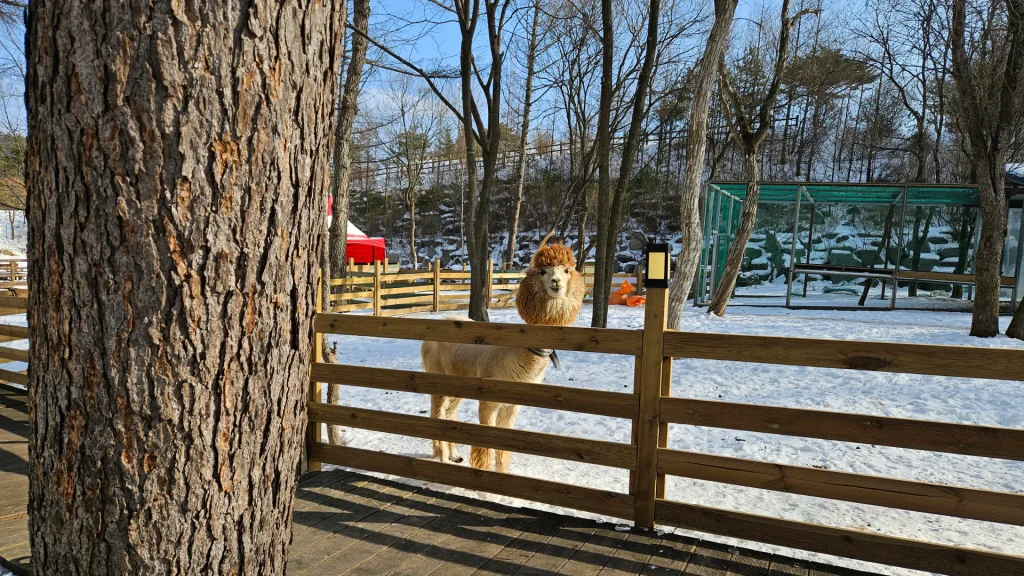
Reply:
x=9, y=306
x=651, y=407
x=382, y=293
x=14, y=276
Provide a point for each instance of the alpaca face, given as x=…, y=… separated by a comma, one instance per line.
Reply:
x=556, y=280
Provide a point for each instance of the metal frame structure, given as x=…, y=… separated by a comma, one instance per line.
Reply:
x=847, y=194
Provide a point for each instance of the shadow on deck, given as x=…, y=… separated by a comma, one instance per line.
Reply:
x=353, y=524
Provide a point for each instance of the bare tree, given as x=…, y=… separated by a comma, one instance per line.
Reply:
x=689, y=217
x=524, y=131
x=410, y=122
x=987, y=79
x=611, y=201
x=348, y=107
x=749, y=137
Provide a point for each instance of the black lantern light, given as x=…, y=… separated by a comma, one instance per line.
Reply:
x=659, y=262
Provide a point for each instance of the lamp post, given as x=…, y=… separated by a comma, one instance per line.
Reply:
x=659, y=262
x=654, y=382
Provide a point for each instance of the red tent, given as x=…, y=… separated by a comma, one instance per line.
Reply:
x=361, y=248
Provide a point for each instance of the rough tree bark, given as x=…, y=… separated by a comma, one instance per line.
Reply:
x=524, y=134
x=348, y=107
x=988, y=121
x=696, y=144
x=177, y=172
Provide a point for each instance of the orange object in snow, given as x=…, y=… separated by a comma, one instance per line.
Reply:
x=636, y=301
x=622, y=296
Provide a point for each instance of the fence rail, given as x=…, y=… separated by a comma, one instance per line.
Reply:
x=651, y=408
x=9, y=306
x=394, y=292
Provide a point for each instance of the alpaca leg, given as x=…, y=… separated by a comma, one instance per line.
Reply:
x=451, y=412
x=437, y=411
x=506, y=419
x=481, y=458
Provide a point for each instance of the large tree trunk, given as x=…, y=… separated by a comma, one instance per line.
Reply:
x=177, y=172
x=696, y=143
x=748, y=215
x=348, y=106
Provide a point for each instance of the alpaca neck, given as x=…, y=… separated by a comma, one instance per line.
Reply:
x=530, y=366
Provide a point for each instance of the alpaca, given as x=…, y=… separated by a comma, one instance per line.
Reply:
x=551, y=293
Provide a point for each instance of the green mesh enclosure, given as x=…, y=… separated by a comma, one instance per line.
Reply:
x=850, y=193
x=723, y=202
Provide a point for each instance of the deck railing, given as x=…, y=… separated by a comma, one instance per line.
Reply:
x=651, y=407
x=10, y=306
x=382, y=292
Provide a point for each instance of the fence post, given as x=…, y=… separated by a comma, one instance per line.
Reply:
x=376, y=288
x=14, y=271
x=639, y=277
x=437, y=284
x=490, y=281
x=313, y=393
x=649, y=423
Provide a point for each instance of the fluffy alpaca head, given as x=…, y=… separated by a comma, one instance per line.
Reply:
x=552, y=291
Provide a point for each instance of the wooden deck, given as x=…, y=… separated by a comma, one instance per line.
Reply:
x=354, y=524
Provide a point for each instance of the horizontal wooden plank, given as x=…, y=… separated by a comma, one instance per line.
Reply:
x=455, y=275
x=947, y=277
x=604, y=340
x=449, y=306
x=418, y=288
x=404, y=311
x=352, y=307
x=509, y=275
x=961, y=361
x=970, y=439
x=860, y=545
x=454, y=287
x=602, y=502
x=14, y=377
x=600, y=452
x=598, y=402
x=457, y=298
x=368, y=281
x=18, y=302
x=406, y=276
x=13, y=354
x=504, y=286
x=1003, y=507
x=13, y=331
x=406, y=300
x=351, y=295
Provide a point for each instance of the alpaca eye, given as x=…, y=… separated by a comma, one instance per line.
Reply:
x=543, y=272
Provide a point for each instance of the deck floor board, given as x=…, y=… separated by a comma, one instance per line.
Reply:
x=352, y=524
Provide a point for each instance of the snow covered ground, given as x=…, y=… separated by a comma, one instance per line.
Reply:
x=13, y=245
x=947, y=399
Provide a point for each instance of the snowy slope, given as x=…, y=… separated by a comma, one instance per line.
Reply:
x=947, y=399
